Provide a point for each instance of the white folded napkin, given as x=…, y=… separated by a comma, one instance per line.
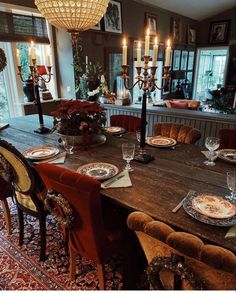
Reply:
x=205, y=153
x=231, y=232
x=3, y=125
x=122, y=182
x=58, y=159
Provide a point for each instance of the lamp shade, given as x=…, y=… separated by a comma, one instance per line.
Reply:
x=72, y=15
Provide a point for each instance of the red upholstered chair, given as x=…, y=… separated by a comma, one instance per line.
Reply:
x=179, y=132
x=179, y=260
x=86, y=230
x=129, y=123
x=27, y=192
x=6, y=191
x=227, y=138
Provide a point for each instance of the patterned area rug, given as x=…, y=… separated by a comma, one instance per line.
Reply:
x=20, y=268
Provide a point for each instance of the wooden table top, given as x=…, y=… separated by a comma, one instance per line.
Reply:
x=157, y=187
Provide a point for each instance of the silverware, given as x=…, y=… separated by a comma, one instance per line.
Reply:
x=112, y=180
x=180, y=204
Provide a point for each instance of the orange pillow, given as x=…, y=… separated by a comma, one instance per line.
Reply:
x=178, y=104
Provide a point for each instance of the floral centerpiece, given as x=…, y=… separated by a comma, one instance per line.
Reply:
x=79, y=118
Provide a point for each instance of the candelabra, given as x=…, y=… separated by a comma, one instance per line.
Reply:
x=38, y=74
x=146, y=82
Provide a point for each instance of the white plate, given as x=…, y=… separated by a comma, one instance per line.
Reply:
x=115, y=130
x=161, y=141
x=228, y=155
x=41, y=152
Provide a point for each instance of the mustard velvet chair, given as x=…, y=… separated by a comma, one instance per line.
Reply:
x=28, y=192
x=209, y=267
x=180, y=132
x=129, y=123
x=227, y=138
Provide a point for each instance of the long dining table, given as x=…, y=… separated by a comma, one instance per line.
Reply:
x=157, y=187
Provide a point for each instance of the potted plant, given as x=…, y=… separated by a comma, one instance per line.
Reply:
x=80, y=119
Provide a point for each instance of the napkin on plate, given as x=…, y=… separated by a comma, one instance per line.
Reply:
x=3, y=125
x=205, y=153
x=122, y=182
x=58, y=159
x=231, y=232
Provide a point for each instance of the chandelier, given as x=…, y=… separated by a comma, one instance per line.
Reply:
x=72, y=15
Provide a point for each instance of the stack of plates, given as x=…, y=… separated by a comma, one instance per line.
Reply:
x=161, y=141
x=41, y=153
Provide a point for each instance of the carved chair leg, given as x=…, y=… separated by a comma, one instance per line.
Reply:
x=101, y=276
x=21, y=226
x=7, y=215
x=72, y=263
x=42, y=231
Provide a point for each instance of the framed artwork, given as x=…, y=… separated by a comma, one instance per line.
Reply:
x=176, y=30
x=113, y=17
x=97, y=27
x=166, y=87
x=191, y=35
x=176, y=60
x=190, y=60
x=219, y=32
x=151, y=23
x=189, y=76
x=184, y=60
x=174, y=85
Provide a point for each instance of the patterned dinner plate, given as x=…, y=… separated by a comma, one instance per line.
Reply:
x=41, y=152
x=161, y=141
x=228, y=155
x=214, y=206
x=115, y=130
x=99, y=171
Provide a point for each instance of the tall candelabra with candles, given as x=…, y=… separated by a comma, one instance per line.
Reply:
x=146, y=81
x=38, y=75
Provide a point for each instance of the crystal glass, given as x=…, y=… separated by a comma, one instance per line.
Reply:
x=128, y=150
x=231, y=182
x=212, y=144
x=138, y=135
x=68, y=143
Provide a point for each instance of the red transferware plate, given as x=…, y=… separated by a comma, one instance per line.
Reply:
x=161, y=141
x=213, y=206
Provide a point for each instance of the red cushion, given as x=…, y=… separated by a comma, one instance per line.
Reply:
x=129, y=123
x=178, y=105
x=5, y=189
x=227, y=138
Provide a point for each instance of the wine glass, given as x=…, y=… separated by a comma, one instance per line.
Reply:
x=128, y=154
x=212, y=144
x=68, y=144
x=231, y=182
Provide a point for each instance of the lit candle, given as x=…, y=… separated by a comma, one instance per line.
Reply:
x=18, y=57
x=139, y=54
x=48, y=58
x=155, y=51
x=124, y=61
x=234, y=104
x=168, y=52
x=37, y=57
x=30, y=58
x=147, y=43
x=32, y=51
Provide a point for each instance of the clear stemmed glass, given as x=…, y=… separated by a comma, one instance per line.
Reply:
x=212, y=144
x=128, y=154
x=68, y=143
x=231, y=182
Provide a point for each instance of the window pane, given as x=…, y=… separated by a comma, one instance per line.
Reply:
x=4, y=107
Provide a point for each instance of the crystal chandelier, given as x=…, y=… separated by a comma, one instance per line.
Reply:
x=72, y=15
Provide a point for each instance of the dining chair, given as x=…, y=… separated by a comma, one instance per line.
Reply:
x=129, y=123
x=28, y=192
x=181, y=259
x=5, y=192
x=227, y=138
x=179, y=132
x=75, y=201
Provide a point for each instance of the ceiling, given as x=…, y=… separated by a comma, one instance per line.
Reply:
x=196, y=9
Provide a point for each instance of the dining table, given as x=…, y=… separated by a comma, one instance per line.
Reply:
x=157, y=187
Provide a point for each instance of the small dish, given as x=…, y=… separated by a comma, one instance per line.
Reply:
x=41, y=152
x=115, y=130
x=228, y=155
x=99, y=171
x=161, y=141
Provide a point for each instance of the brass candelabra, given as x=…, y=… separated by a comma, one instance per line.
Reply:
x=38, y=75
x=146, y=82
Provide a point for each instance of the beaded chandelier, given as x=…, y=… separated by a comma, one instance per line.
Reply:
x=72, y=15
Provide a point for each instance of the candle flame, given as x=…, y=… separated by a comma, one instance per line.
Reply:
x=32, y=43
x=148, y=32
x=18, y=52
x=156, y=40
x=139, y=44
x=168, y=43
x=124, y=42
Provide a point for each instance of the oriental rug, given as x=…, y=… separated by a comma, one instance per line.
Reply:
x=20, y=268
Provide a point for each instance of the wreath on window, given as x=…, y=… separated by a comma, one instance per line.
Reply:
x=3, y=60
x=60, y=208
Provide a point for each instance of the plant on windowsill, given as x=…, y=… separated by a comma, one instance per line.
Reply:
x=222, y=100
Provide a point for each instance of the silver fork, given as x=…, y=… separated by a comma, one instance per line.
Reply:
x=180, y=204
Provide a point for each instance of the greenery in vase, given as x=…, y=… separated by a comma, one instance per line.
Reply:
x=222, y=100
x=77, y=117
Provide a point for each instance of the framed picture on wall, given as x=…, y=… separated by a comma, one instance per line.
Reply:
x=176, y=30
x=189, y=76
x=166, y=87
x=113, y=17
x=191, y=35
x=174, y=85
x=151, y=23
x=219, y=32
x=184, y=60
x=176, y=60
x=190, y=60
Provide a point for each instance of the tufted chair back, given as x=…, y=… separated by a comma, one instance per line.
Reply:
x=227, y=138
x=213, y=265
x=179, y=132
x=129, y=123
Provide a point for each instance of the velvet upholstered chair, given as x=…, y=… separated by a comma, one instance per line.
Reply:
x=6, y=191
x=129, y=123
x=28, y=190
x=199, y=266
x=179, y=132
x=76, y=201
x=227, y=138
